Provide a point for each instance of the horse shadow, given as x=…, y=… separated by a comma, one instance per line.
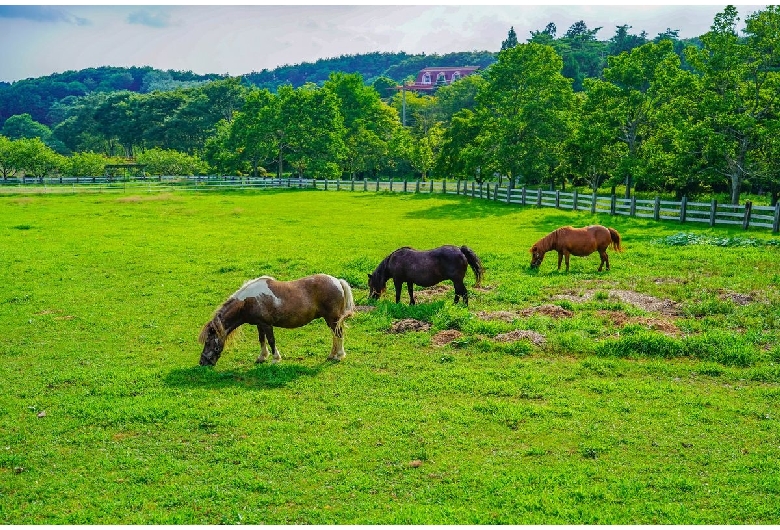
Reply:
x=262, y=376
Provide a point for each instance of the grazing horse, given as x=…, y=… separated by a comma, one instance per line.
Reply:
x=265, y=302
x=577, y=241
x=425, y=268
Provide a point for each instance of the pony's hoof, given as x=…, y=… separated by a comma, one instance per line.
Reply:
x=259, y=360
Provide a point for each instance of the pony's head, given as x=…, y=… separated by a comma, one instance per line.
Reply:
x=376, y=286
x=536, y=257
x=212, y=336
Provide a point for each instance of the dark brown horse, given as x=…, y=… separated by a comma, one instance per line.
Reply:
x=265, y=302
x=425, y=268
x=576, y=241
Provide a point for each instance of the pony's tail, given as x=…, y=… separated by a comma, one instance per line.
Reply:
x=474, y=263
x=349, y=301
x=615, y=239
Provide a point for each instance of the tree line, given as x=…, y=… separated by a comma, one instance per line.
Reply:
x=657, y=115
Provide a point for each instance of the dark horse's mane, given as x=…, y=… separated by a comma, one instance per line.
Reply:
x=225, y=311
x=381, y=269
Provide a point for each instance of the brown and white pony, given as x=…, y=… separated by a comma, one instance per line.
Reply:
x=265, y=302
x=568, y=241
x=425, y=268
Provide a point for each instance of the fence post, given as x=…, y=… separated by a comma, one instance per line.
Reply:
x=593, y=202
x=657, y=208
x=326, y=183
x=457, y=188
x=473, y=186
x=748, y=209
x=444, y=186
x=776, y=223
x=612, y=204
x=713, y=211
x=391, y=183
x=338, y=184
x=431, y=191
x=404, y=185
x=538, y=197
x=488, y=191
x=557, y=198
x=377, y=183
x=352, y=184
x=633, y=206
x=365, y=184
x=523, y=197
x=574, y=200
x=683, y=209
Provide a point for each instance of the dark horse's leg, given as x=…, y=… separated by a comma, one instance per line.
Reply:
x=398, y=286
x=460, y=290
x=410, y=288
x=263, y=347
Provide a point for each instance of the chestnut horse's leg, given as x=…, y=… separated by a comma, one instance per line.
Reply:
x=398, y=286
x=567, y=261
x=604, y=259
x=410, y=288
x=560, y=258
x=263, y=347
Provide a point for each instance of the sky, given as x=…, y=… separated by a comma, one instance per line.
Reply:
x=39, y=40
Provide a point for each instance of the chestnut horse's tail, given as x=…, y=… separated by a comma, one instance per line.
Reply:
x=474, y=263
x=615, y=239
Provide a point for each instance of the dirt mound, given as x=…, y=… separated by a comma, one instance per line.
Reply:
x=506, y=316
x=549, y=310
x=408, y=324
x=364, y=308
x=429, y=293
x=620, y=319
x=643, y=301
x=445, y=337
x=737, y=298
x=521, y=334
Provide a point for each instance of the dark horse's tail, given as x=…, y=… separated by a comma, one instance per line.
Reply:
x=615, y=239
x=474, y=263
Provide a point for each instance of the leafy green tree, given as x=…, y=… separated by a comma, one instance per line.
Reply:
x=524, y=108
x=459, y=95
x=511, y=39
x=426, y=149
x=312, y=129
x=36, y=159
x=254, y=134
x=86, y=164
x=23, y=126
x=368, y=122
x=11, y=157
x=385, y=87
x=168, y=162
x=623, y=41
x=116, y=121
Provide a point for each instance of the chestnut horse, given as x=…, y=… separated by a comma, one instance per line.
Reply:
x=577, y=241
x=265, y=302
x=425, y=268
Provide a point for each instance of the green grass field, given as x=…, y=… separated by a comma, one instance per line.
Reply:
x=621, y=414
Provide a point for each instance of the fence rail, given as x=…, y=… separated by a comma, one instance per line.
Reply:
x=713, y=213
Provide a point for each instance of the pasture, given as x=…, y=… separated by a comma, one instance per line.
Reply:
x=646, y=394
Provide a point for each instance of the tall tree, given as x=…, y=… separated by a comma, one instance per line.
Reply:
x=511, y=39
x=524, y=107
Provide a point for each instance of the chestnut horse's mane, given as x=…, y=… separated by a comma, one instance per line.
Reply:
x=548, y=242
x=226, y=310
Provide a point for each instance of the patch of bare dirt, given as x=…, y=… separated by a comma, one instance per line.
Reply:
x=737, y=298
x=642, y=301
x=364, y=308
x=484, y=288
x=549, y=310
x=445, y=337
x=506, y=316
x=521, y=334
x=408, y=324
x=429, y=293
x=620, y=319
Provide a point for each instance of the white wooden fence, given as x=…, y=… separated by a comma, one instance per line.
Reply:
x=713, y=213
